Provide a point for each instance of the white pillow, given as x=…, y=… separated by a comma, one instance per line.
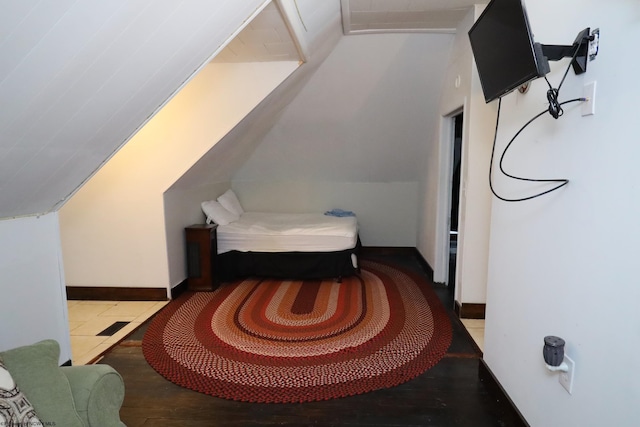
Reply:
x=230, y=201
x=215, y=212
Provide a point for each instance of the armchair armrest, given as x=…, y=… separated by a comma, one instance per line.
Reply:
x=98, y=393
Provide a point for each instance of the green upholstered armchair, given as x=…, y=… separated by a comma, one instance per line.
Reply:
x=67, y=396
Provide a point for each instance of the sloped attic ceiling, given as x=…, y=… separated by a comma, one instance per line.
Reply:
x=323, y=23
x=79, y=77
x=320, y=24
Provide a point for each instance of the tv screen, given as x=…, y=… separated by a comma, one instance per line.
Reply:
x=505, y=53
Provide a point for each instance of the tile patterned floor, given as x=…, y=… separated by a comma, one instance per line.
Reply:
x=87, y=319
x=475, y=327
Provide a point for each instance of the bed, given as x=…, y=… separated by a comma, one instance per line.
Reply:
x=282, y=245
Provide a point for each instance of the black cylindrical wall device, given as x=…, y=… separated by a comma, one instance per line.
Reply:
x=553, y=351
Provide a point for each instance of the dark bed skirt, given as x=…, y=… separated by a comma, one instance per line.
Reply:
x=286, y=265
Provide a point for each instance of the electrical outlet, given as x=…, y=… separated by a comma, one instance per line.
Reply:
x=566, y=378
x=589, y=106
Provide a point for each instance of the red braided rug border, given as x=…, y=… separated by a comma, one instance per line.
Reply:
x=269, y=341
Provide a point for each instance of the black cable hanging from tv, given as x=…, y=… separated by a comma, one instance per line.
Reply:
x=554, y=109
x=562, y=181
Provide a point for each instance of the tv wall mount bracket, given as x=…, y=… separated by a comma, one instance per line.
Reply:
x=582, y=50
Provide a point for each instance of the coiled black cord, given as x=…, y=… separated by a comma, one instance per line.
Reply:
x=555, y=106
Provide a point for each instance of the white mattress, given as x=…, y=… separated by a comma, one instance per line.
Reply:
x=276, y=232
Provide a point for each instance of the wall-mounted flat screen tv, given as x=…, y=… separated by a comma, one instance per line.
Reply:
x=504, y=50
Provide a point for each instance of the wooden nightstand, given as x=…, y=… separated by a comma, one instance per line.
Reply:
x=202, y=248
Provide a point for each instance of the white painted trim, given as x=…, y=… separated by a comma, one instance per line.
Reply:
x=445, y=183
x=346, y=26
x=445, y=153
x=462, y=204
x=37, y=215
x=293, y=21
x=403, y=30
x=346, y=16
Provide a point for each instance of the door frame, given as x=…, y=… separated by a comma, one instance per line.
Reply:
x=443, y=222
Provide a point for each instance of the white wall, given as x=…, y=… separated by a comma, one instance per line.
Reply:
x=355, y=136
x=33, y=302
x=461, y=92
x=379, y=206
x=182, y=208
x=566, y=264
x=476, y=197
x=113, y=229
x=435, y=189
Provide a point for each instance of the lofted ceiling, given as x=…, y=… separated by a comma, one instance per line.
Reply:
x=79, y=77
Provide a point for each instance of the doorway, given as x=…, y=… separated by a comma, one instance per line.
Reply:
x=456, y=163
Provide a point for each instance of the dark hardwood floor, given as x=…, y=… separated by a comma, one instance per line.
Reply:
x=458, y=391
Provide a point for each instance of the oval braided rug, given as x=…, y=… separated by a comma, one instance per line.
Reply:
x=266, y=340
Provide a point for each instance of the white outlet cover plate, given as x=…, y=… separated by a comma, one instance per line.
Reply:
x=589, y=106
x=566, y=378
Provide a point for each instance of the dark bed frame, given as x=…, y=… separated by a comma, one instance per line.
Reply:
x=287, y=265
